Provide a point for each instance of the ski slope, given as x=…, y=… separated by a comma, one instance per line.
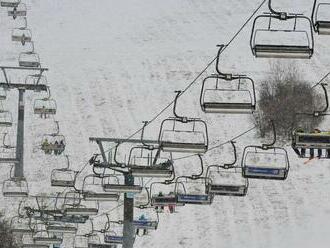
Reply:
x=114, y=64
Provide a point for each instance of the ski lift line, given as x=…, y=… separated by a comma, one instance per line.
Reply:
x=321, y=80
x=108, y=211
x=222, y=144
x=200, y=74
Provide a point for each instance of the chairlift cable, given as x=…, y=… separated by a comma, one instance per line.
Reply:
x=321, y=80
x=222, y=144
x=199, y=75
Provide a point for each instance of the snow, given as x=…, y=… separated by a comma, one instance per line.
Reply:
x=114, y=64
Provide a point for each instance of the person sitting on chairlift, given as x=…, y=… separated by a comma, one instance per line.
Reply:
x=61, y=147
x=143, y=219
x=45, y=147
x=161, y=207
x=43, y=112
x=319, y=151
x=56, y=148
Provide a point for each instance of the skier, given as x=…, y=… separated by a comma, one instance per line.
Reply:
x=142, y=219
x=45, y=146
x=61, y=147
x=56, y=148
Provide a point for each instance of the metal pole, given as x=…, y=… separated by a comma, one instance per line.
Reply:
x=19, y=172
x=128, y=232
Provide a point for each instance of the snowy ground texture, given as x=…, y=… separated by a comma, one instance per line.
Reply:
x=114, y=64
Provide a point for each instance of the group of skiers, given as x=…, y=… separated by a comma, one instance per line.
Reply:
x=56, y=147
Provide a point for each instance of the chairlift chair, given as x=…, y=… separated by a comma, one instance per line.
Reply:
x=44, y=107
x=61, y=228
x=145, y=223
x=20, y=10
x=44, y=238
x=27, y=242
x=92, y=189
x=80, y=210
x=193, y=195
x=10, y=3
x=75, y=205
x=73, y=219
x=114, y=239
x=6, y=119
x=93, y=239
x=29, y=59
x=80, y=241
x=21, y=35
x=160, y=199
x=54, y=142
x=304, y=143
x=267, y=41
x=146, y=162
x=182, y=134
x=20, y=224
x=216, y=99
x=15, y=187
x=3, y=94
x=227, y=93
x=64, y=177
x=266, y=161
x=112, y=184
x=321, y=17
x=226, y=179
x=36, y=79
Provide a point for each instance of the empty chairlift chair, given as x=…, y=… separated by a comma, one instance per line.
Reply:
x=37, y=79
x=29, y=59
x=226, y=179
x=20, y=10
x=59, y=227
x=15, y=187
x=112, y=238
x=6, y=119
x=20, y=224
x=265, y=161
x=43, y=237
x=194, y=191
x=28, y=242
x=115, y=184
x=92, y=189
x=80, y=241
x=145, y=162
x=182, y=134
x=227, y=93
x=74, y=205
x=10, y=3
x=64, y=177
x=321, y=17
x=282, y=35
x=3, y=94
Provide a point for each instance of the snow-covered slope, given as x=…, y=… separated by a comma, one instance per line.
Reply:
x=114, y=64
